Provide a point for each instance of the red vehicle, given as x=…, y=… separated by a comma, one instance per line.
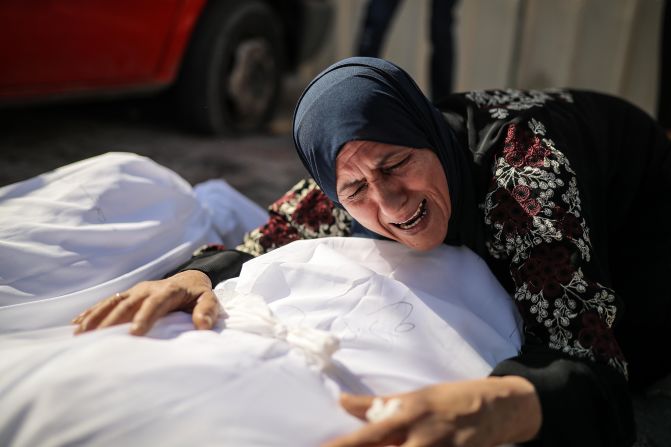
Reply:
x=224, y=58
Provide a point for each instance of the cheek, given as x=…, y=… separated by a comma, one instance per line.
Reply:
x=360, y=212
x=366, y=215
x=438, y=187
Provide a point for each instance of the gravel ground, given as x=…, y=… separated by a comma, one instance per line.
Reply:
x=37, y=139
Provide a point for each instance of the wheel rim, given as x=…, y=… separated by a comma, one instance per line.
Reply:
x=250, y=84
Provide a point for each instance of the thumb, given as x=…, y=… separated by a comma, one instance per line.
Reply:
x=206, y=311
x=356, y=405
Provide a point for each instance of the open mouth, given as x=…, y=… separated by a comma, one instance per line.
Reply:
x=415, y=218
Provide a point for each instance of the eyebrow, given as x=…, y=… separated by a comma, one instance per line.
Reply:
x=378, y=165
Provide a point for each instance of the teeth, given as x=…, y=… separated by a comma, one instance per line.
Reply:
x=415, y=218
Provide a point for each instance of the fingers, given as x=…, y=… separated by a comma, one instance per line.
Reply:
x=356, y=405
x=151, y=310
x=91, y=318
x=123, y=312
x=79, y=318
x=206, y=312
x=391, y=431
x=148, y=301
x=430, y=431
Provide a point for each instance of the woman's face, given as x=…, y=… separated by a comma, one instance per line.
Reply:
x=395, y=191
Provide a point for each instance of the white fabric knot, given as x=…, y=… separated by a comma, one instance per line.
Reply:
x=250, y=313
x=380, y=410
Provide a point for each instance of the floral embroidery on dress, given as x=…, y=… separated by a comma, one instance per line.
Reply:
x=304, y=212
x=500, y=102
x=533, y=212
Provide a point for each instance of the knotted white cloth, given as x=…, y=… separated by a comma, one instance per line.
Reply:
x=250, y=313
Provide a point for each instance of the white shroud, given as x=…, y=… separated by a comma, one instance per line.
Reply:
x=401, y=320
x=73, y=236
x=304, y=322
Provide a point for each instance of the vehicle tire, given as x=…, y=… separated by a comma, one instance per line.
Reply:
x=231, y=74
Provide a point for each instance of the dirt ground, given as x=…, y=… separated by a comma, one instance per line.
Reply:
x=37, y=139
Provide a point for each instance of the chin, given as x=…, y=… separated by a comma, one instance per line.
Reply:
x=421, y=245
x=426, y=246
x=428, y=239
x=418, y=242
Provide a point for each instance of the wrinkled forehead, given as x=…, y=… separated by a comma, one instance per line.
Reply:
x=359, y=159
x=369, y=153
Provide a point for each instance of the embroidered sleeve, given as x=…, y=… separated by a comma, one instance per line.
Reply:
x=533, y=213
x=502, y=103
x=304, y=212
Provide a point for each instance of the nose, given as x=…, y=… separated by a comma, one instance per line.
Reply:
x=391, y=199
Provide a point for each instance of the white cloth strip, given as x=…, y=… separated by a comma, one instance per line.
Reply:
x=250, y=313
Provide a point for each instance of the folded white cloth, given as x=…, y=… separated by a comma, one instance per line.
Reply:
x=233, y=214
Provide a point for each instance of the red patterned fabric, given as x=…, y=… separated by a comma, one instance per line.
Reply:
x=304, y=212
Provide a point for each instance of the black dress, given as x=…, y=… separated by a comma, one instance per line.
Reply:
x=574, y=201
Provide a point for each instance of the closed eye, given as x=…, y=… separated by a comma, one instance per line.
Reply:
x=360, y=188
x=395, y=166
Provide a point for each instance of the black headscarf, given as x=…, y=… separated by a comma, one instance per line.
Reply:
x=363, y=98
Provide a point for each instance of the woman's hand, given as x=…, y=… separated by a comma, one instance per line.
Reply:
x=146, y=302
x=485, y=412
